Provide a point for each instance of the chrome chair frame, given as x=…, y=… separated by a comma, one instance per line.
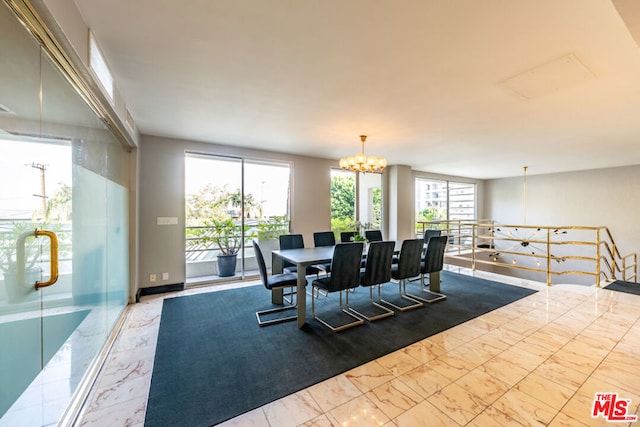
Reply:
x=345, y=274
x=432, y=265
x=275, y=281
x=377, y=272
x=408, y=267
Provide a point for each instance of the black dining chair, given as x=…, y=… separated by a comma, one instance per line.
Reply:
x=377, y=271
x=294, y=241
x=408, y=266
x=429, y=233
x=345, y=275
x=324, y=238
x=346, y=236
x=274, y=282
x=432, y=265
x=373, y=235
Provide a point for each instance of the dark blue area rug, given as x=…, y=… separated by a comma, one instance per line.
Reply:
x=213, y=362
x=626, y=287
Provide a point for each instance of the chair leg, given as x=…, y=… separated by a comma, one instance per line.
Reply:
x=278, y=320
x=382, y=312
x=414, y=303
x=337, y=328
x=437, y=296
x=277, y=310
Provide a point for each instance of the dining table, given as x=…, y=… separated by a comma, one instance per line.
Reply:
x=302, y=258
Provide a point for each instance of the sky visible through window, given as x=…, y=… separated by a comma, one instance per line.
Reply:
x=268, y=182
x=21, y=182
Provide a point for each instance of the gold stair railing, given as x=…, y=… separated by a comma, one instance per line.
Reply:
x=551, y=250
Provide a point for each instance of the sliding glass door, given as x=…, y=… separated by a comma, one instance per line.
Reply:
x=63, y=234
x=231, y=201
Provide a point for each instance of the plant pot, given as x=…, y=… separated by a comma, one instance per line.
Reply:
x=227, y=265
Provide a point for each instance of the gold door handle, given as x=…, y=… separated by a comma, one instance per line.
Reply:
x=53, y=259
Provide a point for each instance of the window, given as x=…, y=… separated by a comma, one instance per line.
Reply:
x=99, y=66
x=229, y=202
x=355, y=197
x=444, y=200
x=343, y=201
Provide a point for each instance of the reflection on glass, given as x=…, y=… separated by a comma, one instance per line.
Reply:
x=62, y=170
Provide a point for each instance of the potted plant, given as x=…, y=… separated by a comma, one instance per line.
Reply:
x=227, y=236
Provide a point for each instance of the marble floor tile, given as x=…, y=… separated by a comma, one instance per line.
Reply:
x=360, y=411
x=292, y=410
x=255, y=418
x=524, y=408
x=399, y=362
x=483, y=385
x=321, y=421
x=424, y=351
x=425, y=380
x=458, y=403
x=423, y=411
x=369, y=376
x=504, y=370
x=334, y=392
x=394, y=398
x=449, y=367
x=545, y=390
x=492, y=417
x=556, y=371
x=563, y=420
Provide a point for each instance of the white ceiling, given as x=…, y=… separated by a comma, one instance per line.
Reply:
x=466, y=87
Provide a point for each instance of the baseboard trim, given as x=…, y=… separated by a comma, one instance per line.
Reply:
x=159, y=290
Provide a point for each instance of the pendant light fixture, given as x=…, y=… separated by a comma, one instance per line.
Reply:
x=363, y=163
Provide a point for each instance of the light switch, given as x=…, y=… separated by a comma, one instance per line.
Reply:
x=167, y=220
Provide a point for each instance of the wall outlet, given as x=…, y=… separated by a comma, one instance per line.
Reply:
x=152, y=278
x=165, y=276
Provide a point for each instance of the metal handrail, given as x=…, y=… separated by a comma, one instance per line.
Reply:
x=472, y=240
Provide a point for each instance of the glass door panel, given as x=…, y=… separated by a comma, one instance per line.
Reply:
x=214, y=217
x=21, y=352
x=62, y=170
x=267, y=204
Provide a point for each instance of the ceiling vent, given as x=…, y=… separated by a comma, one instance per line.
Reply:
x=549, y=77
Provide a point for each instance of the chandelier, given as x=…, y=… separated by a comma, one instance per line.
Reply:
x=362, y=163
